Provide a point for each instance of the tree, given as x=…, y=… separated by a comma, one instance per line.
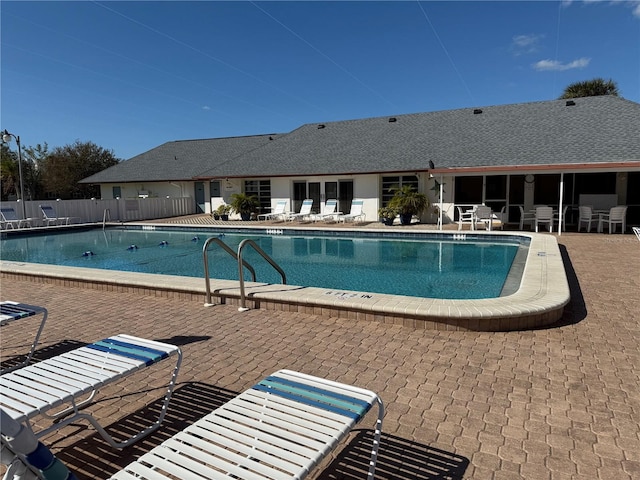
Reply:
x=65, y=166
x=33, y=161
x=591, y=88
x=9, y=174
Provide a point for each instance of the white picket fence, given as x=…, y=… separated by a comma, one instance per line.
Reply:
x=115, y=210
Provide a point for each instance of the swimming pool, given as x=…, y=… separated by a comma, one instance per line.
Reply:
x=444, y=267
x=540, y=295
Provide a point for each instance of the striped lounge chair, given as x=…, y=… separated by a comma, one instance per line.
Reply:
x=67, y=382
x=280, y=428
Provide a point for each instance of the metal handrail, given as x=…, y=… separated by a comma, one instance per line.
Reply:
x=205, y=258
x=105, y=214
x=248, y=241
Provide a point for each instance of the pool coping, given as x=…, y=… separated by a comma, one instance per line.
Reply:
x=540, y=300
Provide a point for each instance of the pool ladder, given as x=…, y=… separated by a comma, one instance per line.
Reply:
x=241, y=265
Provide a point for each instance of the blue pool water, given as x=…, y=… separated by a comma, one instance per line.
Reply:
x=444, y=268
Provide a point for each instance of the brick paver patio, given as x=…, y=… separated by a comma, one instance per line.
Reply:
x=556, y=403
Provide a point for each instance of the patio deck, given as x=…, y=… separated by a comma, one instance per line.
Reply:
x=554, y=403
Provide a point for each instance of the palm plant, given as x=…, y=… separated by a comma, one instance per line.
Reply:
x=407, y=201
x=244, y=204
x=591, y=88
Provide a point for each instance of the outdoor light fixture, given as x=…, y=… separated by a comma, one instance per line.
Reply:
x=6, y=137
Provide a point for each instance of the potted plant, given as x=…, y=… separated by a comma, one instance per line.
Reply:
x=222, y=211
x=387, y=215
x=408, y=202
x=244, y=204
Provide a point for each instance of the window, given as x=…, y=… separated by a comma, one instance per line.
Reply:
x=260, y=189
x=391, y=184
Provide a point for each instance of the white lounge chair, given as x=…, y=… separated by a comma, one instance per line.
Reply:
x=586, y=216
x=280, y=428
x=636, y=230
x=12, y=311
x=355, y=214
x=328, y=212
x=10, y=219
x=69, y=381
x=279, y=211
x=616, y=216
x=50, y=216
x=305, y=211
x=544, y=216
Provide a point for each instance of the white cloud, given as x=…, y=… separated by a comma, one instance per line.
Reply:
x=206, y=107
x=522, y=44
x=555, y=65
x=636, y=10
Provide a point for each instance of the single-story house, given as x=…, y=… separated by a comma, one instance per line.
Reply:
x=559, y=152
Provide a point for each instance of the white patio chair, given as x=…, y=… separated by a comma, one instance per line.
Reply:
x=544, y=216
x=526, y=217
x=484, y=215
x=556, y=217
x=466, y=217
x=616, y=216
x=636, y=230
x=586, y=216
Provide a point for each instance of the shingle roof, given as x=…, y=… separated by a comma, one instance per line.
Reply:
x=593, y=130
x=179, y=160
x=602, y=129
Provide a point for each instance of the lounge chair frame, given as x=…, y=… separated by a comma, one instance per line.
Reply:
x=279, y=211
x=281, y=428
x=71, y=380
x=50, y=216
x=9, y=218
x=12, y=311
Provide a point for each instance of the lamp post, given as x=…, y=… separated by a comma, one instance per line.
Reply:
x=6, y=137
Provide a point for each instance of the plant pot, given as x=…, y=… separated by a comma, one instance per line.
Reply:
x=224, y=217
x=405, y=218
x=216, y=216
x=245, y=216
x=387, y=221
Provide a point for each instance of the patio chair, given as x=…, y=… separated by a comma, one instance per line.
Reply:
x=69, y=381
x=616, y=216
x=526, y=217
x=544, y=216
x=278, y=212
x=11, y=219
x=305, y=211
x=50, y=216
x=636, y=230
x=328, y=212
x=586, y=216
x=556, y=217
x=12, y=311
x=355, y=214
x=466, y=217
x=280, y=428
x=484, y=215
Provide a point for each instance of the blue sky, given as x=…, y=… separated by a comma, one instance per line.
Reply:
x=130, y=76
